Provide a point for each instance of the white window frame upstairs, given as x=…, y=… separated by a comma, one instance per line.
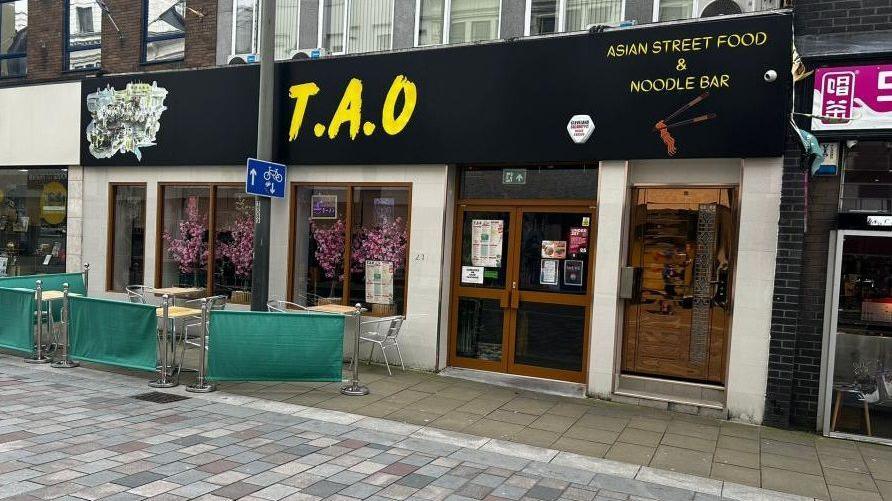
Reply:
x=561, y=26
x=345, y=27
x=447, y=22
x=695, y=10
x=254, y=27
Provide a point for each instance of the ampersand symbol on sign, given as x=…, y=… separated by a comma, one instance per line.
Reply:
x=682, y=65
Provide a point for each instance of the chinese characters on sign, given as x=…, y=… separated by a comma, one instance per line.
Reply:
x=324, y=207
x=852, y=98
x=486, y=242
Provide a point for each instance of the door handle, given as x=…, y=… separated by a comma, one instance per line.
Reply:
x=515, y=296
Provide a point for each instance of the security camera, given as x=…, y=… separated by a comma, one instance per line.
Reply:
x=770, y=76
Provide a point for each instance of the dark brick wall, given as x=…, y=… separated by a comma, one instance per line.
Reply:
x=121, y=52
x=820, y=17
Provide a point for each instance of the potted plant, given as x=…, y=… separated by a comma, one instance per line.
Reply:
x=329, y=254
x=238, y=249
x=388, y=242
x=189, y=249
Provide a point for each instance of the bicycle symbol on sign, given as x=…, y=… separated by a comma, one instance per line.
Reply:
x=272, y=177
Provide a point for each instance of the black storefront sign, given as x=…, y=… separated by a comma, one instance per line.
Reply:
x=684, y=90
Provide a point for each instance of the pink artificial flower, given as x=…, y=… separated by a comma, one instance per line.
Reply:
x=189, y=250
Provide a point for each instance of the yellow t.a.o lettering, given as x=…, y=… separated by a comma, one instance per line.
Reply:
x=301, y=94
x=394, y=124
x=349, y=110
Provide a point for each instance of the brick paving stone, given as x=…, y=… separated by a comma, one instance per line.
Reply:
x=236, y=490
x=137, y=479
x=323, y=488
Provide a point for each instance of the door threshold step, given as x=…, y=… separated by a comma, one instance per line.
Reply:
x=526, y=383
x=671, y=403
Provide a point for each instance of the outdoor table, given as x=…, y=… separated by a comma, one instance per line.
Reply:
x=354, y=389
x=175, y=292
x=48, y=296
x=334, y=308
x=174, y=313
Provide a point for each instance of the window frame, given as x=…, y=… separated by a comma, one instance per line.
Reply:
x=212, y=227
x=695, y=11
x=146, y=39
x=66, y=47
x=111, y=239
x=293, y=189
x=16, y=55
x=447, y=22
x=254, y=29
x=561, y=26
x=345, y=28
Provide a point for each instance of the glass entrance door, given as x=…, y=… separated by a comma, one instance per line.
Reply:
x=676, y=324
x=521, y=290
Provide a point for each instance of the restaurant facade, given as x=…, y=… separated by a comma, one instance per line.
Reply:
x=598, y=208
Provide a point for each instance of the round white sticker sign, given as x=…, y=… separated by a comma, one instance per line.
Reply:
x=580, y=128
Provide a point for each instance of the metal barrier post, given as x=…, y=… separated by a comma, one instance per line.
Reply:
x=86, y=279
x=65, y=362
x=38, y=357
x=163, y=381
x=356, y=389
x=201, y=385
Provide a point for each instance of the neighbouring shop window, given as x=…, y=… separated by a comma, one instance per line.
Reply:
x=672, y=10
x=13, y=38
x=457, y=21
x=188, y=257
x=351, y=245
x=867, y=178
x=165, y=30
x=127, y=237
x=354, y=26
x=861, y=394
x=245, y=22
x=532, y=182
x=84, y=47
x=33, y=221
x=552, y=16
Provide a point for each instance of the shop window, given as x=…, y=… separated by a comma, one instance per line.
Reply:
x=867, y=178
x=354, y=26
x=532, y=182
x=672, y=10
x=350, y=246
x=187, y=257
x=457, y=21
x=245, y=26
x=84, y=32
x=33, y=221
x=13, y=38
x=164, y=30
x=126, y=237
x=553, y=16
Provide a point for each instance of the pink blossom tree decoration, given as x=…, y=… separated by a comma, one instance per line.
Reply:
x=240, y=251
x=189, y=249
x=329, y=249
x=387, y=242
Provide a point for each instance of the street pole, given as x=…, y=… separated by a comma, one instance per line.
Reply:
x=260, y=272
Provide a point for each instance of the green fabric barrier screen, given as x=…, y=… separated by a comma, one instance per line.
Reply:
x=264, y=346
x=113, y=333
x=17, y=327
x=49, y=282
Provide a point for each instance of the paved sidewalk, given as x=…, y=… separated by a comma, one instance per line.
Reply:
x=80, y=434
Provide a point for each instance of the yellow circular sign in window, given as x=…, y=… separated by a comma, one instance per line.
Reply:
x=53, y=202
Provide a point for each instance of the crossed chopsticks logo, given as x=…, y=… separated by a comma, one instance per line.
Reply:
x=662, y=127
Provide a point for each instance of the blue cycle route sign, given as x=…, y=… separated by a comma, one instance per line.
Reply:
x=265, y=179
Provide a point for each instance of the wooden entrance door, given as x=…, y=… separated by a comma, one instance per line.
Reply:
x=676, y=324
x=521, y=292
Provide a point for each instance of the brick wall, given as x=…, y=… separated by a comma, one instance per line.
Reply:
x=121, y=52
x=820, y=17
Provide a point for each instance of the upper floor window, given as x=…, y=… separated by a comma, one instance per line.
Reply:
x=671, y=10
x=457, y=21
x=554, y=16
x=246, y=21
x=13, y=38
x=165, y=30
x=84, y=32
x=352, y=26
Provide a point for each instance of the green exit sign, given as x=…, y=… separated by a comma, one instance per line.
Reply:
x=514, y=176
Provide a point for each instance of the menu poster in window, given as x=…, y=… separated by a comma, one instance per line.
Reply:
x=548, y=272
x=379, y=282
x=384, y=210
x=486, y=242
x=573, y=272
x=578, y=240
x=324, y=207
x=554, y=249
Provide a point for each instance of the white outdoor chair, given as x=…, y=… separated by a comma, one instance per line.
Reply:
x=137, y=293
x=215, y=303
x=383, y=332
x=282, y=306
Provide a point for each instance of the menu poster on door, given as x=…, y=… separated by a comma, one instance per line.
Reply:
x=379, y=282
x=554, y=249
x=578, y=240
x=486, y=242
x=548, y=272
x=573, y=272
